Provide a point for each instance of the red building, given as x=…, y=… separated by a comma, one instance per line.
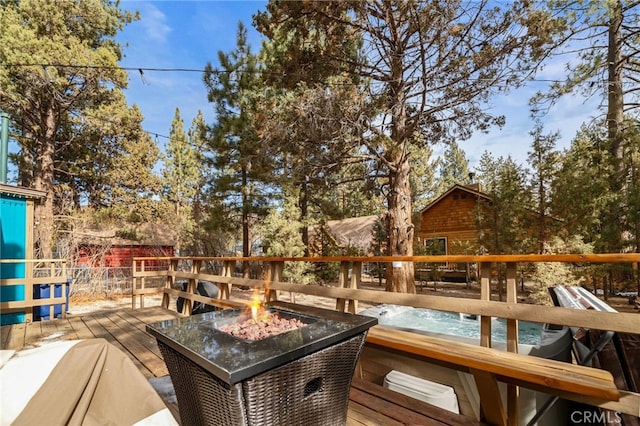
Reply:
x=120, y=255
x=111, y=248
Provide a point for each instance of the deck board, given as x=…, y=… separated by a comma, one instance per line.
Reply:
x=33, y=333
x=16, y=335
x=126, y=330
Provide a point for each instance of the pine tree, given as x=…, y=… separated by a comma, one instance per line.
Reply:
x=281, y=236
x=242, y=169
x=582, y=194
x=632, y=195
x=422, y=179
x=181, y=177
x=211, y=234
x=59, y=61
x=543, y=158
x=132, y=186
x=603, y=36
x=453, y=170
x=307, y=132
x=503, y=221
x=426, y=67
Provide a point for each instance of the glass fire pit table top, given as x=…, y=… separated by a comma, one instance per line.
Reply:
x=233, y=360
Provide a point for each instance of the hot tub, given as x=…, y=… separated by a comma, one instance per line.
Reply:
x=542, y=340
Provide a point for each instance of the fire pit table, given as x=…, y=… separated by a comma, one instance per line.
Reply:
x=297, y=377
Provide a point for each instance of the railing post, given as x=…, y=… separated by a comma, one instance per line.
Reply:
x=64, y=277
x=512, y=298
x=490, y=401
x=192, y=287
x=513, y=391
x=356, y=280
x=134, y=283
x=228, y=266
x=28, y=289
x=343, y=278
x=485, y=294
x=142, y=283
x=170, y=282
x=52, y=286
x=275, y=276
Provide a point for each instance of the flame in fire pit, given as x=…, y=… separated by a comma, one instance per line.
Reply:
x=258, y=312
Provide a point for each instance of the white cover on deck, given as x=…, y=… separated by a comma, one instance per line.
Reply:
x=431, y=392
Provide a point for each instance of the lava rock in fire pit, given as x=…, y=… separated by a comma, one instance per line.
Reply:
x=263, y=328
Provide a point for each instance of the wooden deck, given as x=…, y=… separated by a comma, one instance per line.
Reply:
x=368, y=405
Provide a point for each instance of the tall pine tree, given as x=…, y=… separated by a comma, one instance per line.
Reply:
x=59, y=60
x=544, y=160
x=429, y=68
x=181, y=178
x=503, y=221
x=453, y=170
x=602, y=37
x=242, y=169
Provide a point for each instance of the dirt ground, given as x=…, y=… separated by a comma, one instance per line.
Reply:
x=79, y=306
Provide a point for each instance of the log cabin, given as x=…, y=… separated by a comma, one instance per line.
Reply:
x=447, y=223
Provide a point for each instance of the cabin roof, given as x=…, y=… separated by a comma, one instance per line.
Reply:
x=356, y=231
x=457, y=187
x=353, y=231
x=22, y=192
x=151, y=234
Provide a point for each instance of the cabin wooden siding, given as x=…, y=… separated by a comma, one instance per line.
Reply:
x=452, y=217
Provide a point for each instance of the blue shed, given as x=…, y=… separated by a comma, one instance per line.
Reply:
x=17, y=206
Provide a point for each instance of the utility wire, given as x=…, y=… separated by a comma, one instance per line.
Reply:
x=141, y=70
x=108, y=67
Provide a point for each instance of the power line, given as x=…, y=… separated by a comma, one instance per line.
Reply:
x=157, y=135
x=141, y=70
x=109, y=67
x=113, y=67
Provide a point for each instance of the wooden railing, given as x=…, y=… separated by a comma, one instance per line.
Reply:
x=51, y=273
x=347, y=293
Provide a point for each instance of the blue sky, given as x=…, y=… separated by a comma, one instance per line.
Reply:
x=189, y=34
x=185, y=35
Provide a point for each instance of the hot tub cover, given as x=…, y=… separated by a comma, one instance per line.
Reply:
x=88, y=382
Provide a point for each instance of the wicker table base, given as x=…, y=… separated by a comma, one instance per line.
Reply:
x=312, y=390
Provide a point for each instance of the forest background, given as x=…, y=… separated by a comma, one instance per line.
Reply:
x=335, y=116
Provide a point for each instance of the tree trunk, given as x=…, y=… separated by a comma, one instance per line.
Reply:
x=542, y=208
x=615, y=105
x=245, y=224
x=615, y=116
x=304, y=211
x=43, y=180
x=400, y=276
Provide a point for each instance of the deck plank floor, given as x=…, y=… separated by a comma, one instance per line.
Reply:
x=126, y=330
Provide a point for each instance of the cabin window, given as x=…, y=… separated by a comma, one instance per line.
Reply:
x=435, y=246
